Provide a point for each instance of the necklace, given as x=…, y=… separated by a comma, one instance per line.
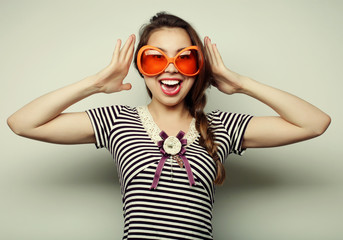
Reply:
x=154, y=131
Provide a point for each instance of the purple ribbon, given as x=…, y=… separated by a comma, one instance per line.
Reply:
x=165, y=156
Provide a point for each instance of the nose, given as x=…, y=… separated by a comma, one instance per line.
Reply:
x=171, y=68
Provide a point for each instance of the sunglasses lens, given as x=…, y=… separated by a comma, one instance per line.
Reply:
x=153, y=61
x=187, y=61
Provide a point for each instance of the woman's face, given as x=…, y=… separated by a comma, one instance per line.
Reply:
x=170, y=87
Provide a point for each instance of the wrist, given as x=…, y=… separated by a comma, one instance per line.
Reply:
x=89, y=85
x=246, y=85
x=254, y=89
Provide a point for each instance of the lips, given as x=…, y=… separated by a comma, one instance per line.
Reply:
x=170, y=86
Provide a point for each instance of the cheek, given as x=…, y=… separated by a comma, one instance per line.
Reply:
x=189, y=82
x=149, y=81
x=148, y=84
x=190, y=86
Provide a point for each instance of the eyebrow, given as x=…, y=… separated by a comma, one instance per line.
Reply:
x=178, y=50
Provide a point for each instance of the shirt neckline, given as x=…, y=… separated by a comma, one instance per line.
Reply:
x=154, y=131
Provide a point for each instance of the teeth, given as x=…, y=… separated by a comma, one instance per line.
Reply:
x=170, y=82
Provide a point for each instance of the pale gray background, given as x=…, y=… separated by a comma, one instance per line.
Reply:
x=71, y=192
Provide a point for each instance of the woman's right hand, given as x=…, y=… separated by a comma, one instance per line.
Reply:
x=110, y=79
x=42, y=119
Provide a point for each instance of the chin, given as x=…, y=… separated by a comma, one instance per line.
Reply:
x=169, y=101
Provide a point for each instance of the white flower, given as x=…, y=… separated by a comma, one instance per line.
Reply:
x=172, y=145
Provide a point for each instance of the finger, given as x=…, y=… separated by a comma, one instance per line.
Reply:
x=125, y=86
x=116, y=51
x=217, y=55
x=130, y=52
x=209, y=47
x=126, y=47
x=206, y=49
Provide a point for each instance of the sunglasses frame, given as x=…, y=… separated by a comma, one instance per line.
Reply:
x=169, y=60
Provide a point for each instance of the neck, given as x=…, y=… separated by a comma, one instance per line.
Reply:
x=160, y=111
x=170, y=119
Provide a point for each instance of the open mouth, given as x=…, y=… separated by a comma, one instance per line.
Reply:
x=170, y=87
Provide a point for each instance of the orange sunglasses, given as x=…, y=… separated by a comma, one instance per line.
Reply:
x=152, y=61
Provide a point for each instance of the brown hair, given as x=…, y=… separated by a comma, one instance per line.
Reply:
x=196, y=98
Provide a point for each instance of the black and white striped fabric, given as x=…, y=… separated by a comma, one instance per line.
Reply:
x=174, y=210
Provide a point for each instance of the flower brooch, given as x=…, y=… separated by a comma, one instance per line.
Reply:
x=172, y=147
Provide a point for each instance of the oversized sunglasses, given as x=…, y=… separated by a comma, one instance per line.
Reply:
x=152, y=61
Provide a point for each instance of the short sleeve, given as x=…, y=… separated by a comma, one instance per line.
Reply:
x=234, y=126
x=102, y=120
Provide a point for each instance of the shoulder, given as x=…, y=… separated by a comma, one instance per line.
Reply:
x=227, y=119
x=218, y=115
x=116, y=109
x=113, y=112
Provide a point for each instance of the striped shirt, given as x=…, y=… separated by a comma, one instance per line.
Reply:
x=174, y=210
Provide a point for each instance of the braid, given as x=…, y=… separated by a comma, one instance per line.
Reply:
x=207, y=138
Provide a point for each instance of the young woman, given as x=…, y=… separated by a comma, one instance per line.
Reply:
x=170, y=153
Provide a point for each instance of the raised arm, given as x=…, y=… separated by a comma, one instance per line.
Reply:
x=42, y=119
x=298, y=120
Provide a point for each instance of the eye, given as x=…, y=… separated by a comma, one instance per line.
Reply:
x=185, y=55
x=158, y=56
x=153, y=53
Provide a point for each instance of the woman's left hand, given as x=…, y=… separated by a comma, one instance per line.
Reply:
x=298, y=120
x=225, y=80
